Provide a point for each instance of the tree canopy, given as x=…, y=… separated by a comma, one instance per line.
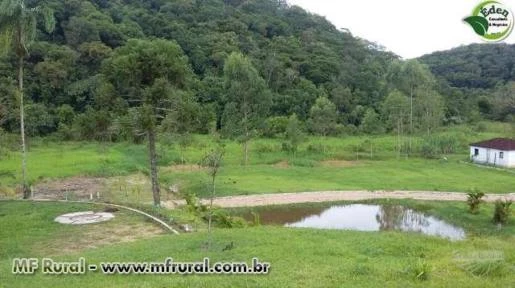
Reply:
x=83, y=75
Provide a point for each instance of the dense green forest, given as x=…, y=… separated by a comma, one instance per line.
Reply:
x=481, y=75
x=240, y=67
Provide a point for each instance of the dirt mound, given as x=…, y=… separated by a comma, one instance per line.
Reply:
x=283, y=164
x=339, y=163
x=75, y=188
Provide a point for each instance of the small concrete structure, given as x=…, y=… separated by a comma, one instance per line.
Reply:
x=497, y=152
x=80, y=218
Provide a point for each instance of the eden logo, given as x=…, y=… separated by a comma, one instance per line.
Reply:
x=491, y=20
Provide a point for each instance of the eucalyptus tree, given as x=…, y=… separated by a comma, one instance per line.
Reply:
x=148, y=74
x=247, y=100
x=414, y=76
x=18, y=28
x=395, y=111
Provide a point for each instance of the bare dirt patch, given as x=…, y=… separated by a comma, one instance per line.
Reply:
x=125, y=229
x=74, y=188
x=183, y=168
x=282, y=165
x=339, y=163
x=331, y=196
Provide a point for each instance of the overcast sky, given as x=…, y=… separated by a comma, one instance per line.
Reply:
x=409, y=28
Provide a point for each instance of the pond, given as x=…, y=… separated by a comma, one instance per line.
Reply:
x=361, y=217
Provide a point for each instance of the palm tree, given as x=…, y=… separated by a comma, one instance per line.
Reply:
x=17, y=32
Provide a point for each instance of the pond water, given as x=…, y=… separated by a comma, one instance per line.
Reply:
x=361, y=217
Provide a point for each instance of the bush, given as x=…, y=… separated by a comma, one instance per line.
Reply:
x=420, y=270
x=473, y=200
x=193, y=204
x=275, y=126
x=351, y=129
x=502, y=211
x=222, y=219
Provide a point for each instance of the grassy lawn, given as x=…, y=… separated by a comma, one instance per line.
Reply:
x=29, y=229
x=358, y=163
x=413, y=174
x=298, y=257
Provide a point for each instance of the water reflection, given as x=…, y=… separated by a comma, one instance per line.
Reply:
x=363, y=218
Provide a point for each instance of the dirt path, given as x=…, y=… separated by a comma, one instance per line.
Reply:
x=328, y=196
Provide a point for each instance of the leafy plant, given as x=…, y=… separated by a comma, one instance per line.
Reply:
x=478, y=23
x=502, y=211
x=222, y=219
x=421, y=270
x=474, y=199
x=193, y=204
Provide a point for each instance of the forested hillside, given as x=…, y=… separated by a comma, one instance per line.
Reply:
x=482, y=73
x=474, y=66
x=88, y=79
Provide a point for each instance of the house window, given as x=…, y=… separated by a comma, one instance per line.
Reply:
x=501, y=155
x=476, y=152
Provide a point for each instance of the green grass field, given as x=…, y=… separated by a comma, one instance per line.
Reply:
x=298, y=257
x=357, y=163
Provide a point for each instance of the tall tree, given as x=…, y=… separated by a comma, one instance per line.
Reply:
x=409, y=76
x=395, y=110
x=247, y=100
x=18, y=27
x=147, y=74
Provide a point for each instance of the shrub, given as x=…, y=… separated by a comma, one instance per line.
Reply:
x=275, y=126
x=193, y=204
x=420, y=270
x=351, y=129
x=222, y=219
x=502, y=211
x=473, y=200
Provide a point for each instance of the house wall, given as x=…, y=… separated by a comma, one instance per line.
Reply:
x=491, y=157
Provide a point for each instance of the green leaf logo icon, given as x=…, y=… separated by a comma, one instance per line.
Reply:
x=478, y=23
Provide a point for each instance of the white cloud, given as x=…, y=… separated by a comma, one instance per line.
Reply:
x=409, y=28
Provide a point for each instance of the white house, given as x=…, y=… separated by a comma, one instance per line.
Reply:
x=497, y=152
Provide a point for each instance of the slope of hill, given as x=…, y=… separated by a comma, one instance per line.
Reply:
x=474, y=66
x=300, y=55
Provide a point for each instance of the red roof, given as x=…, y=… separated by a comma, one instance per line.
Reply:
x=497, y=143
